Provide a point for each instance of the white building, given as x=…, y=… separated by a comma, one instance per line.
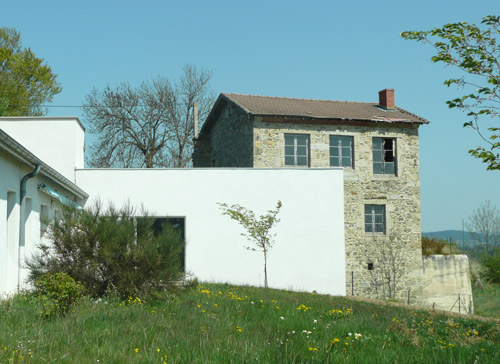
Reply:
x=46, y=155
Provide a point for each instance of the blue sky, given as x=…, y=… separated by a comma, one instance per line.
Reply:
x=305, y=49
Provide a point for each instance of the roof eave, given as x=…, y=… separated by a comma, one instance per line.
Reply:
x=323, y=119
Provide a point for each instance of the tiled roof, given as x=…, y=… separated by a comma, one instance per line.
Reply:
x=320, y=109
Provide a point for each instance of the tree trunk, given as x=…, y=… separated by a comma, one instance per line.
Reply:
x=265, y=269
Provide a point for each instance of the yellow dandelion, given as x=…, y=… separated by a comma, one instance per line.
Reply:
x=158, y=350
x=136, y=350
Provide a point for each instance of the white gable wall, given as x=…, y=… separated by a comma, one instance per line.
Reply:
x=11, y=173
x=58, y=141
x=309, y=251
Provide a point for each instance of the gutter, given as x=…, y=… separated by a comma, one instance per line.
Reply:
x=22, y=226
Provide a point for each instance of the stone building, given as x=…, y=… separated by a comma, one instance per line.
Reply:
x=376, y=144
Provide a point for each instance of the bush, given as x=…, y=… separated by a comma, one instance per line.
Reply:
x=111, y=251
x=432, y=246
x=57, y=293
x=492, y=268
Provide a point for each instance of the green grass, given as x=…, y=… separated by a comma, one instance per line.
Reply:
x=227, y=324
x=487, y=300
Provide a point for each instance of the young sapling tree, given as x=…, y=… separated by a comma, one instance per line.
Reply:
x=257, y=230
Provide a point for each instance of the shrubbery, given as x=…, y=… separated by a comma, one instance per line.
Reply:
x=57, y=293
x=492, y=268
x=111, y=252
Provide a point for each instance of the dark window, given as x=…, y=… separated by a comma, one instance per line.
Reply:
x=375, y=218
x=384, y=156
x=158, y=224
x=297, y=150
x=341, y=151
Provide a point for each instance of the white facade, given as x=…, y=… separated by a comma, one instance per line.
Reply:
x=58, y=141
x=309, y=250
x=20, y=223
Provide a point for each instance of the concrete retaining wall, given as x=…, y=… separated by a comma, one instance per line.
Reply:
x=446, y=283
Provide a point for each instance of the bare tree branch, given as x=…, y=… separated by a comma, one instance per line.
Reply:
x=148, y=126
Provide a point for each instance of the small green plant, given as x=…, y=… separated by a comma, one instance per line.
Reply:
x=58, y=293
x=257, y=230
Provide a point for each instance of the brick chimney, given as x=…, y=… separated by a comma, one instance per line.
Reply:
x=386, y=99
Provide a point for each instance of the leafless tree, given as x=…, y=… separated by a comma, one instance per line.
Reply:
x=484, y=227
x=387, y=262
x=148, y=126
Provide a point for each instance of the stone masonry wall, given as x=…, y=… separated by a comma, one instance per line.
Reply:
x=231, y=139
x=399, y=249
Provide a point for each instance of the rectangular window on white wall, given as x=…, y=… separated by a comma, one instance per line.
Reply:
x=26, y=221
x=44, y=219
x=11, y=220
x=57, y=215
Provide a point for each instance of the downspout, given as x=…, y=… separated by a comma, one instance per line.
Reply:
x=21, y=223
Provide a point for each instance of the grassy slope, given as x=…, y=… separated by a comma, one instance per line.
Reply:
x=227, y=324
x=487, y=300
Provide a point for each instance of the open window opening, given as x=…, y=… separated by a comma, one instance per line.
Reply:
x=384, y=156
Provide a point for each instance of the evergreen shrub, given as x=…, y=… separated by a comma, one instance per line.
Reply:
x=111, y=251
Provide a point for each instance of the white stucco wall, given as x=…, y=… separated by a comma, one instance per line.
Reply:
x=309, y=251
x=11, y=173
x=59, y=141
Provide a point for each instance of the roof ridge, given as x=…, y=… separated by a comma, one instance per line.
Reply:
x=299, y=98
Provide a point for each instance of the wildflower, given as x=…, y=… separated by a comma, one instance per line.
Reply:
x=136, y=350
x=282, y=318
x=158, y=350
x=482, y=349
x=315, y=321
x=312, y=348
x=238, y=329
x=451, y=345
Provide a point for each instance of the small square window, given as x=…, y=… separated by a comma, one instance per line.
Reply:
x=384, y=156
x=375, y=219
x=297, y=150
x=341, y=151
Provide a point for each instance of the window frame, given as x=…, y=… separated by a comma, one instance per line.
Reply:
x=340, y=147
x=296, y=146
x=372, y=221
x=383, y=156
